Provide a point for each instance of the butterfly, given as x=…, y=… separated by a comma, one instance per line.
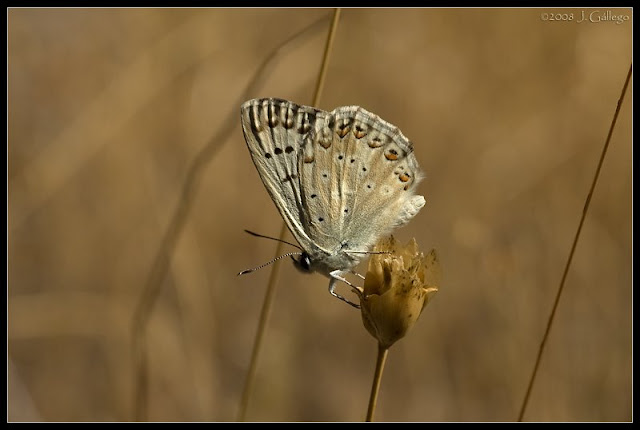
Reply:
x=341, y=180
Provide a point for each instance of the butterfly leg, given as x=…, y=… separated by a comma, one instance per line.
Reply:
x=357, y=274
x=336, y=276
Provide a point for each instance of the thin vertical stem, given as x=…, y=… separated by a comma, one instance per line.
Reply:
x=377, y=377
x=266, y=305
x=262, y=324
x=573, y=248
x=173, y=232
x=325, y=57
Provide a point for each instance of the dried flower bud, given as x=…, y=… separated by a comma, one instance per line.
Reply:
x=397, y=287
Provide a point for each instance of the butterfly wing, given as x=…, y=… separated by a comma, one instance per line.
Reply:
x=340, y=179
x=275, y=131
x=358, y=179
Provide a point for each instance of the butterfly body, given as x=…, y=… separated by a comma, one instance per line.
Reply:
x=340, y=179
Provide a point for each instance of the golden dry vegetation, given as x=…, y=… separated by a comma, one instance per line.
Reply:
x=107, y=111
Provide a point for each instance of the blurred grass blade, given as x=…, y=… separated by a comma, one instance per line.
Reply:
x=587, y=202
x=160, y=266
x=266, y=304
x=124, y=98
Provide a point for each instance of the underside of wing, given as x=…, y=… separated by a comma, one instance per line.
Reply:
x=358, y=177
x=275, y=131
x=340, y=179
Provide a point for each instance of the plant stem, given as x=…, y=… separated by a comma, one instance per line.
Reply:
x=266, y=305
x=585, y=209
x=377, y=377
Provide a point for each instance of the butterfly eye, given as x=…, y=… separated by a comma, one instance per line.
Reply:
x=303, y=263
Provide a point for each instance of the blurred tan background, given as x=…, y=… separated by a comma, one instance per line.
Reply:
x=508, y=113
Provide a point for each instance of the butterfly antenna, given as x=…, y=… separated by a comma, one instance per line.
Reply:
x=273, y=238
x=244, y=272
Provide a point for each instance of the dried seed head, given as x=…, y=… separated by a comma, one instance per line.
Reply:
x=396, y=289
